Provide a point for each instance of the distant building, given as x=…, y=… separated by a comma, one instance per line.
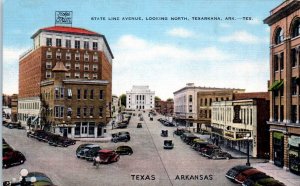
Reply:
x=233, y=119
x=87, y=57
x=164, y=107
x=14, y=108
x=284, y=121
x=185, y=104
x=140, y=98
x=115, y=105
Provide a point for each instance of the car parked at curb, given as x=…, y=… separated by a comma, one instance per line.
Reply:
x=207, y=150
x=124, y=150
x=11, y=158
x=92, y=153
x=234, y=171
x=84, y=150
x=218, y=154
x=242, y=176
x=250, y=181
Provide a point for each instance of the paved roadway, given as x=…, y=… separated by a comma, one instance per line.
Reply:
x=149, y=160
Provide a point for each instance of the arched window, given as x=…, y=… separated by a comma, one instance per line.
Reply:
x=279, y=36
x=296, y=28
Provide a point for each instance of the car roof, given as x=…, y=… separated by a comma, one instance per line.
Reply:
x=92, y=145
x=250, y=171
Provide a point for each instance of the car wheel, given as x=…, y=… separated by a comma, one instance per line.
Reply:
x=129, y=153
x=214, y=157
x=227, y=158
x=115, y=141
x=5, y=165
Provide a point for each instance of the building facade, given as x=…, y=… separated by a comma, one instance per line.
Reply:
x=140, y=98
x=14, y=108
x=85, y=54
x=233, y=120
x=284, y=22
x=185, y=104
x=164, y=107
x=73, y=107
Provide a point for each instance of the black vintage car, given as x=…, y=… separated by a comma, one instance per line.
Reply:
x=121, y=133
x=139, y=125
x=124, y=150
x=120, y=138
x=168, y=144
x=218, y=154
x=91, y=153
x=179, y=131
x=82, y=152
x=11, y=158
x=164, y=133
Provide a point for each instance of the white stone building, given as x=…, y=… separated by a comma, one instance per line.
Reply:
x=140, y=98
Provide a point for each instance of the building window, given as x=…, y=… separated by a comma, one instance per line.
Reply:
x=95, y=76
x=293, y=86
x=68, y=65
x=101, y=94
x=86, y=57
x=85, y=94
x=95, y=58
x=49, y=55
x=56, y=93
x=281, y=61
x=92, y=111
x=279, y=36
x=69, y=93
x=48, y=65
x=95, y=46
x=100, y=112
x=205, y=102
x=69, y=111
x=68, y=56
x=293, y=57
x=58, y=42
x=294, y=113
x=78, y=112
x=77, y=44
x=77, y=57
x=77, y=66
x=58, y=55
x=77, y=75
x=48, y=74
x=276, y=61
x=59, y=111
x=84, y=111
x=281, y=113
x=190, y=108
x=86, y=75
x=68, y=43
x=92, y=94
x=190, y=98
x=95, y=67
x=78, y=94
x=86, y=45
x=49, y=41
x=86, y=67
x=296, y=28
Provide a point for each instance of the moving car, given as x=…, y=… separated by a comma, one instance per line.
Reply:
x=242, y=176
x=92, y=152
x=234, y=171
x=83, y=152
x=139, y=125
x=80, y=148
x=120, y=138
x=121, y=133
x=124, y=150
x=164, y=133
x=168, y=144
x=41, y=179
x=108, y=156
x=11, y=158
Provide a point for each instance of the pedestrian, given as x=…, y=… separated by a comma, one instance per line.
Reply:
x=97, y=161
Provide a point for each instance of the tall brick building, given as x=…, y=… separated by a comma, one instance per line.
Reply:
x=284, y=22
x=85, y=54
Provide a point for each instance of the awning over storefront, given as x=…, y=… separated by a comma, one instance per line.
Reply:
x=276, y=85
x=277, y=135
x=294, y=141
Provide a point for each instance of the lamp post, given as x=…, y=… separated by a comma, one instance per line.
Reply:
x=248, y=155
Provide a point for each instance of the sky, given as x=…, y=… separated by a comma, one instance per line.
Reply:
x=164, y=54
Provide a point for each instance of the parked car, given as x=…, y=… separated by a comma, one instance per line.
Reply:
x=14, y=125
x=120, y=138
x=218, y=154
x=168, y=144
x=198, y=143
x=83, y=152
x=234, y=171
x=41, y=179
x=250, y=181
x=242, y=176
x=139, y=125
x=268, y=181
x=81, y=147
x=188, y=137
x=207, y=150
x=121, y=125
x=11, y=158
x=124, y=150
x=179, y=131
x=164, y=133
x=108, y=156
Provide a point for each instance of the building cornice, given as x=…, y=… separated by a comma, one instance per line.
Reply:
x=85, y=82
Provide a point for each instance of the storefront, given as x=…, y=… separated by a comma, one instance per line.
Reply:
x=294, y=154
x=278, y=148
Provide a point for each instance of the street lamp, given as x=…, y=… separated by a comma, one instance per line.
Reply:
x=247, y=138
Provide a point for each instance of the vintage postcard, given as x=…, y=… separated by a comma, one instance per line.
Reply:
x=173, y=92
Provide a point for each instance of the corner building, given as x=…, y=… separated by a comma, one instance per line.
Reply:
x=284, y=22
x=85, y=54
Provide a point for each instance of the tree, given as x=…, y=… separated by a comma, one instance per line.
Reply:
x=123, y=99
x=156, y=98
x=169, y=99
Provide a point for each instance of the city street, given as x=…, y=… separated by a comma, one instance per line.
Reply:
x=149, y=164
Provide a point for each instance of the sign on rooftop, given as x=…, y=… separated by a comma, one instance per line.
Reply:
x=63, y=17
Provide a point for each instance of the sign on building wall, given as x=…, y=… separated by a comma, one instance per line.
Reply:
x=63, y=17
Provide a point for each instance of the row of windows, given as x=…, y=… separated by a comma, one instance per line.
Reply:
x=226, y=114
x=60, y=112
x=278, y=113
x=68, y=56
x=49, y=74
x=68, y=65
x=62, y=93
x=207, y=102
x=77, y=43
x=205, y=113
x=32, y=105
x=295, y=31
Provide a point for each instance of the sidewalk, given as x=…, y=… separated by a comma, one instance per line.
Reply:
x=284, y=176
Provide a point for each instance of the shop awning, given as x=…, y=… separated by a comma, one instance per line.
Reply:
x=276, y=85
